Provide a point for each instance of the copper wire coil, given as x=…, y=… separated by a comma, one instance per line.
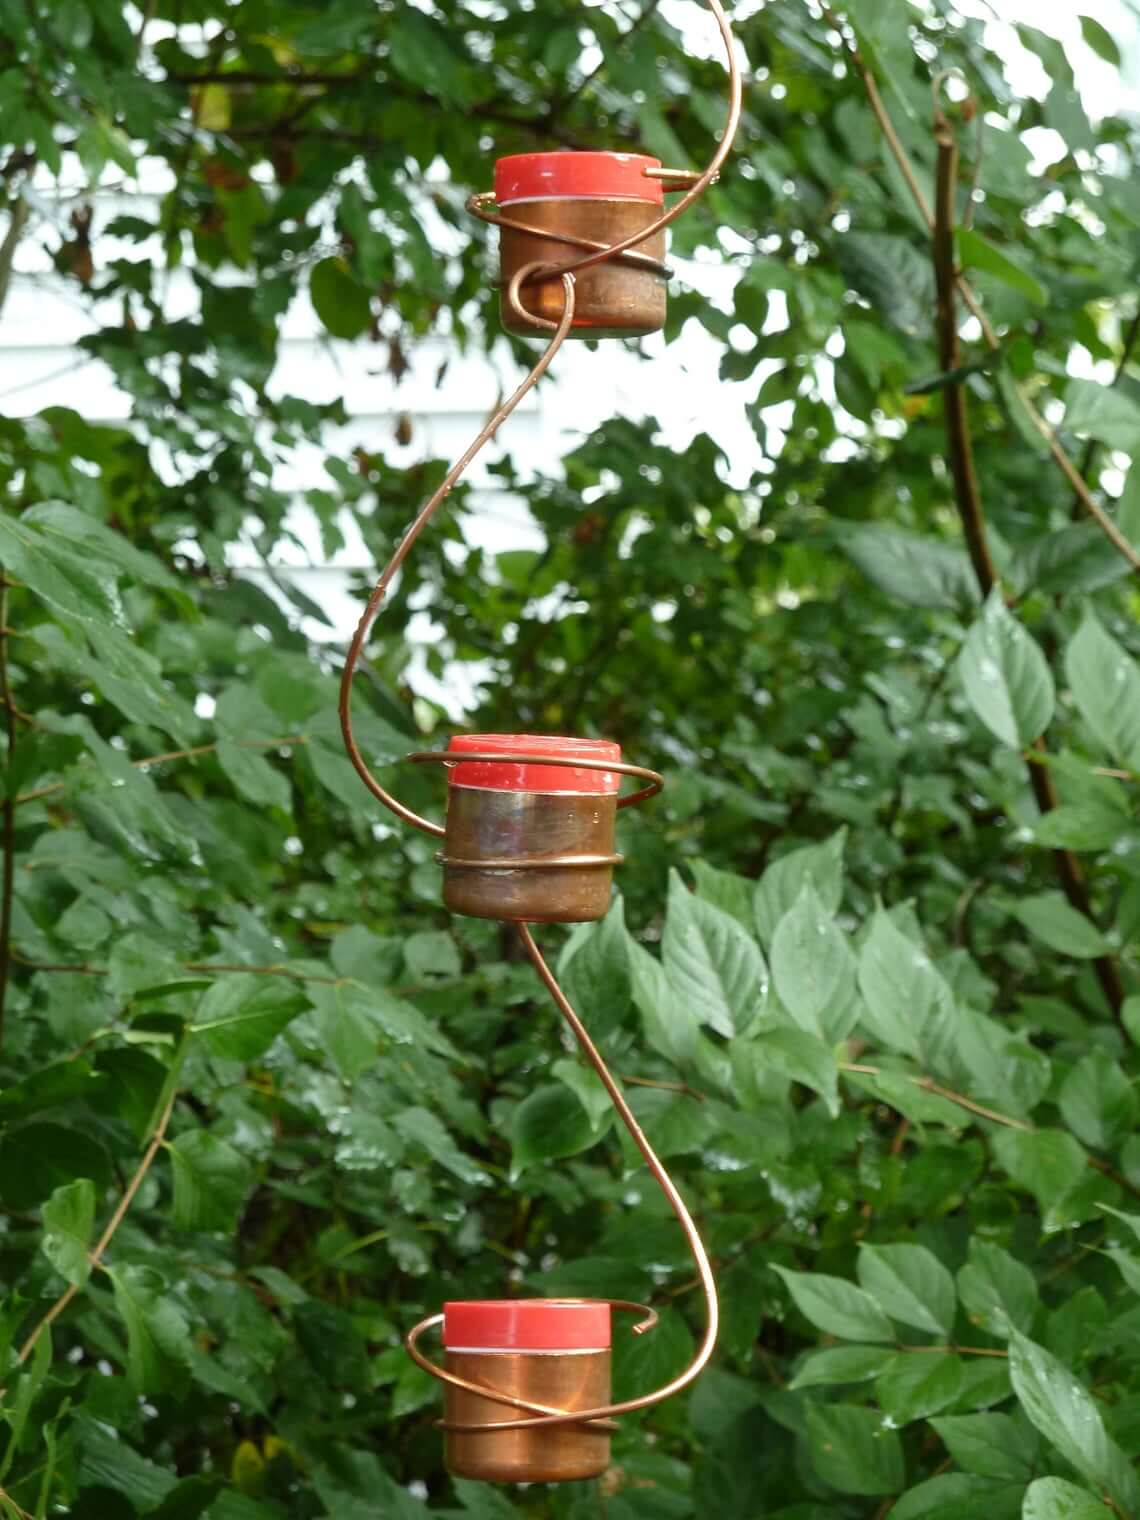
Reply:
x=479, y=206
x=539, y=1414
x=655, y=781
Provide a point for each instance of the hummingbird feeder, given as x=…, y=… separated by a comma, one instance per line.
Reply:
x=529, y=827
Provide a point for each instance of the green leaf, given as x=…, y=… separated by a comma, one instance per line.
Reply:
x=594, y=968
x=992, y=1445
x=432, y=952
x=974, y=252
x=996, y=1291
x=801, y=1056
x=108, y=1463
x=1102, y=412
x=240, y=1016
x=158, y=1336
x=253, y=776
x=1048, y=916
x=837, y=1307
x=813, y=970
x=211, y=1181
x=910, y=1284
x=547, y=1125
x=1098, y=1102
x=30, y=1381
x=671, y=1024
x=1076, y=557
x=919, y=572
x=1105, y=682
x=854, y=1451
x=1056, y=1499
x=1088, y=825
x=821, y=865
x=1102, y=43
x=893, y=275
x=841, y=1364
x=69, y=1220
x=959, y=1496
x=651, y=1360
x=68, y=582
x=426, y=1130
x=1006, y=677
x=915, y=1384
x=900, y=987
x=725, y=890
x=587, y=1087
x=712, y=963
x=339, y=300
x=36, y=1159
x=1068, y=1417
x=1046, y=1162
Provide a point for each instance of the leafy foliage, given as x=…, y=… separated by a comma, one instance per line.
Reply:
x=264, y=1104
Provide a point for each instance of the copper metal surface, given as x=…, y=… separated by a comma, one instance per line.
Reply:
x=538, y=856
x=618, y=299
x=475, y=1446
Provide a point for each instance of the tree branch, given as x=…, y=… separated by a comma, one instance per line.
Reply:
x=958, y=440
x=899, y=153
x=18, y=217
x=968, y=499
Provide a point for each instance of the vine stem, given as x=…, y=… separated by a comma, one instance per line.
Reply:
x=154, y=1145
x=88, y=968
x=8, y=825
x=1074, y=477
x=928, y=1084
x=192, y=753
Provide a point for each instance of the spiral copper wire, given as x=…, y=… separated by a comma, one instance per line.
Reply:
x=534, y=1415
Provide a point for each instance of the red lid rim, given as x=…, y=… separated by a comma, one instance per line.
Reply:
x=527, y=1324
x=577, y=173
x=521, y=768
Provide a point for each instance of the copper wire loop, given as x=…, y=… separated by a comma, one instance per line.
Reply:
x=542, y=1412
x=452, y=757
x=694, y=186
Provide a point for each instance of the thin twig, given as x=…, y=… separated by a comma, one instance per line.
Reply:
x=174, y=754
x=955, y=1350
x=89, y=968
x=928, y=1084
x=113, y=1224
x=677, y=1087
x=8, y=825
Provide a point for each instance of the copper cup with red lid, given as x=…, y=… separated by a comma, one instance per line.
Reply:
x=529, y=833
x=553, y=1353
x=554, y=207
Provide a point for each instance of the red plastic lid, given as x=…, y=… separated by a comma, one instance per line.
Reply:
x=527, y=1324
x=534, y=176
x=522, y=776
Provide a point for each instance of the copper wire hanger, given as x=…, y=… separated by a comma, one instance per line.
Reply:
x=694, y=185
